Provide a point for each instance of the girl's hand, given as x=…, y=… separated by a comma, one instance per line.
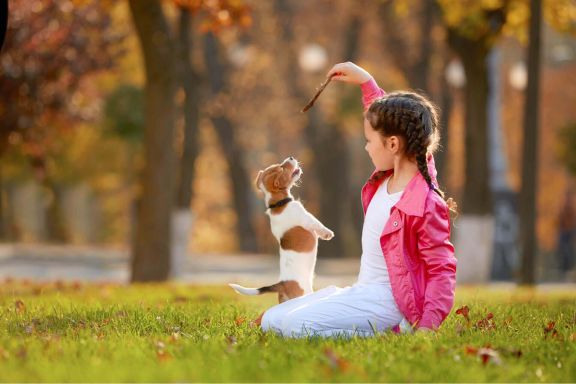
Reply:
x=349, y=72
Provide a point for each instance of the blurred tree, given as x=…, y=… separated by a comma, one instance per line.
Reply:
x=191, y=84
x=123, y=113
x=218, y=71
x=152, y=250
x=472, y=40
x=190, y=81
x=3, y=21
x=528, y=243
x=566, y=147
x=38, y=85
x=473, y=28
x=32, y=94
x=416, y=49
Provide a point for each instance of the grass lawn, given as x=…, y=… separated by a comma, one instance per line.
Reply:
x=75, y=332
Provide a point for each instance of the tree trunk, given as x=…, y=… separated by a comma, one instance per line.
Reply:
x=3, y=216
x=529, y=244
x=218, y=72
x=182, y=216
x=3, y=21
x=441, y=157
x=192, y=98
x=56, y=230
x=476, y=198
x=151, y=249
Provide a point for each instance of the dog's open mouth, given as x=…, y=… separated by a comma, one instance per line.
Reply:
x=296, y=172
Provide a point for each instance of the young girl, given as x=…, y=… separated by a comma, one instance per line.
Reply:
x=407, y=270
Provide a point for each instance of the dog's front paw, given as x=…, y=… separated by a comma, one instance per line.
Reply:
x=325, y=234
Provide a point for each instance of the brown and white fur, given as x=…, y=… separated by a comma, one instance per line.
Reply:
x=296, y=230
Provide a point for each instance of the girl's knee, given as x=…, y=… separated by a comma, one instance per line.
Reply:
x=294, y=326
x=270, y=320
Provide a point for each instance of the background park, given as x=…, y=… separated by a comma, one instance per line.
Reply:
x=130, y=135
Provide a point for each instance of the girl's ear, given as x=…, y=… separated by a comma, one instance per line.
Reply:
x=393, y=144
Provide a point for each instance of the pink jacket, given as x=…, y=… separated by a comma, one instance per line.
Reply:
x=415, y=243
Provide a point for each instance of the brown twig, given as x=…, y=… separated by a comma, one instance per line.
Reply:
x=318, y=92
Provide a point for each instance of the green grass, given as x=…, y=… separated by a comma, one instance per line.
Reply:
x=163, y=333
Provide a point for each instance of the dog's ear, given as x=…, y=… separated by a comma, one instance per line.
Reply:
x=281, y=180
x=258, y=179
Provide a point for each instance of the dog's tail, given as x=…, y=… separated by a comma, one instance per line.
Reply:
x=256, y=291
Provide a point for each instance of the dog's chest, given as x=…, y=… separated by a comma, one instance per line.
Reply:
x=293, y=216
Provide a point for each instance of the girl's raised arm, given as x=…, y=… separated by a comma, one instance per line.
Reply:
x=351, y=73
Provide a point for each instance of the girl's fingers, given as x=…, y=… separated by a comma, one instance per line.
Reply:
x=334, y=71
x=339, y=78
x=339, y=68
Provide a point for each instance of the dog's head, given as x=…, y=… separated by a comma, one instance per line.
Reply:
x=279, y=177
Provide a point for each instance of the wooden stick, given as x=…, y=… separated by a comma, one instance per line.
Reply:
x=318, y=92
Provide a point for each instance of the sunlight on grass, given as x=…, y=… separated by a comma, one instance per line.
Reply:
x=103, y=332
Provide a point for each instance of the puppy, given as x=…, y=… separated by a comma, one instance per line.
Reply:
x=296, y=230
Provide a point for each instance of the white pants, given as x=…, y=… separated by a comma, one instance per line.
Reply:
x=361, y=310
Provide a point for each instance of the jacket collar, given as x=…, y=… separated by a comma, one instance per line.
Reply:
x=413, y=199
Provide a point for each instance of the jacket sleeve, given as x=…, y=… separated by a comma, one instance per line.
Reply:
x=370, y=92
x=437, y=254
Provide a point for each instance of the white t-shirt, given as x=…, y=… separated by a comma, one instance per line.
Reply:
x=373, y=268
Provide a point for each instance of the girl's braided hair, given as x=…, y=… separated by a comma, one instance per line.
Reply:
x=415, y=119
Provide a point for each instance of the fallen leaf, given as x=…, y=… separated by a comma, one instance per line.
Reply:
x=22, y=353
x=162, y=355
x=29, y=329
x=174, y=337
x=550, y=329
x=335, y=361
x=470, y=350
x=181, y=299
x=488, y=354
x=59, y=284
x=239, y=320
x=459, y=329
x=464, y=311
x=121, y=314
x=486, y=323
x=20, y=307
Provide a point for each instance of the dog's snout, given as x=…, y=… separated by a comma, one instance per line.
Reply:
x=291, y=158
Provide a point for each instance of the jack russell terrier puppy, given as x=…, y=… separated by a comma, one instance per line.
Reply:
x=296, y=230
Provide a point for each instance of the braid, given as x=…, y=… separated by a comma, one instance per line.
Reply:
x=414, y=118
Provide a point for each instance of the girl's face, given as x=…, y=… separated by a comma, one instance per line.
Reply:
x=381, y=150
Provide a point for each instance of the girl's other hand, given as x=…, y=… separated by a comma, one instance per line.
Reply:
x=349, y=72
